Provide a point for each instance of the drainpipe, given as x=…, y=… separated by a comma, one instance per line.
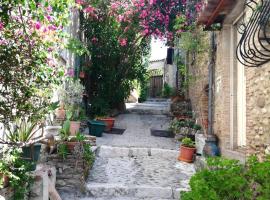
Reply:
x=211, y=143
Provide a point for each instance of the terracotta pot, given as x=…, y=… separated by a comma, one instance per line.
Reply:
x=177, y=98
x=74, y=127
x=60, y=114
x=5, y=180
x=109, y=121
x=71, y=145
x=186, y=154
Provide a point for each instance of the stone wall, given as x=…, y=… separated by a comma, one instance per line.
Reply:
x=197, y=88
x=71, y=172
x=258, y=110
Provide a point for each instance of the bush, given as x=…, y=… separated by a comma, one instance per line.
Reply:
x=230, y=180
x=167, y=90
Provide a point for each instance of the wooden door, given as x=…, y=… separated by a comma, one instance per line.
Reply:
x=156, y=84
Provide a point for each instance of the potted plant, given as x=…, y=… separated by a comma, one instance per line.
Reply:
x=109, y=121
x=68, y=142
x=96, y=128
x=26, y=133
x=187, y=150
x=73, y=115
x=4, y=180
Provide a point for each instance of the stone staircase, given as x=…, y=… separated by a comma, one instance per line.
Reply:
x=122, y=173
x=150, y=107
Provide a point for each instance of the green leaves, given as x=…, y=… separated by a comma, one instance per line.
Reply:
x=225, y=178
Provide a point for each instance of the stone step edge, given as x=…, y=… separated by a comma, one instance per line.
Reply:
x=112, y=152
x=98, y=190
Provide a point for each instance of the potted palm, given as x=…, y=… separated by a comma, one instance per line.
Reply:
x=26, y=133
x=187, y=150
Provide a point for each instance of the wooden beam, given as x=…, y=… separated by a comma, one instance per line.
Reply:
x=215, y=13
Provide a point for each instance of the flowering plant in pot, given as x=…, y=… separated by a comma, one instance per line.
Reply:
x=187, y=150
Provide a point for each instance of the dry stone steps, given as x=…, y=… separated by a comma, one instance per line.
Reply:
x=137, y=173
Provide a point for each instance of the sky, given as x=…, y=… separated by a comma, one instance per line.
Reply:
x=158, y=49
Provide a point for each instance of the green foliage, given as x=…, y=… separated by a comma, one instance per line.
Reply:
x=167, y=90
x=193, y=41
x=23, y=130
x=62, y=150
x=17, y=170
x=27, y=72
x=114, y=67
x=80, y=137
x=65, y=130
x=100, y=107
x=176, y=125
x=88, y=154
x=77, y=47
x=187, y=142
x=226, y=179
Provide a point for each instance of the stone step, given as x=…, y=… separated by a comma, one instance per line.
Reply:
x=102, y=190
x=147, y=111
x=111, y=152
x=121, y=198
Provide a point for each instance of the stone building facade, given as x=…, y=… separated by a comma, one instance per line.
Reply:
x=241, y=94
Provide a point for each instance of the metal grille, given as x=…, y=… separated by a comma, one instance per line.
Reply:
x=253, y=49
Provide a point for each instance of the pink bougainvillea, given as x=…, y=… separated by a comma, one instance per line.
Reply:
x=123, y=42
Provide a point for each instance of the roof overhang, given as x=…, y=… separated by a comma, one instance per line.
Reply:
x=215, y=11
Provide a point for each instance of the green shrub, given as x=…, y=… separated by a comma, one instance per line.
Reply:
x=187, y=142
x=167, y=90
x=226, y=179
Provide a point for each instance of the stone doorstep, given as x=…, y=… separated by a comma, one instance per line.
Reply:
x=112, y=152
x=98, y=190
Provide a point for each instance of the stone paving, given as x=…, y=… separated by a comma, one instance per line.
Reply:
x=137, y=133
x=136, y=165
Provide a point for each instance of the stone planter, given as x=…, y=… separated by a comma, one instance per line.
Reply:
x=74, y=127
x=52, y=130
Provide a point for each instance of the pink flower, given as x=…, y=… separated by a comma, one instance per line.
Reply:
x=94, y=40
x=38, y=25
x=89, y=9
x=123, y=42
x=52, y=27
x=70, y=72
x=81, y=2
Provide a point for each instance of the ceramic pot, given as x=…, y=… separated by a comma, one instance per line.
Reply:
x=109, y=121
x=60, y=114
x=186, y=154
x=5, y=180
x=74, y=127
x=71, y=146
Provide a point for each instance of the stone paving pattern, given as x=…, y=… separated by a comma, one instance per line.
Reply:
x=137, y=133
x=136, y=165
